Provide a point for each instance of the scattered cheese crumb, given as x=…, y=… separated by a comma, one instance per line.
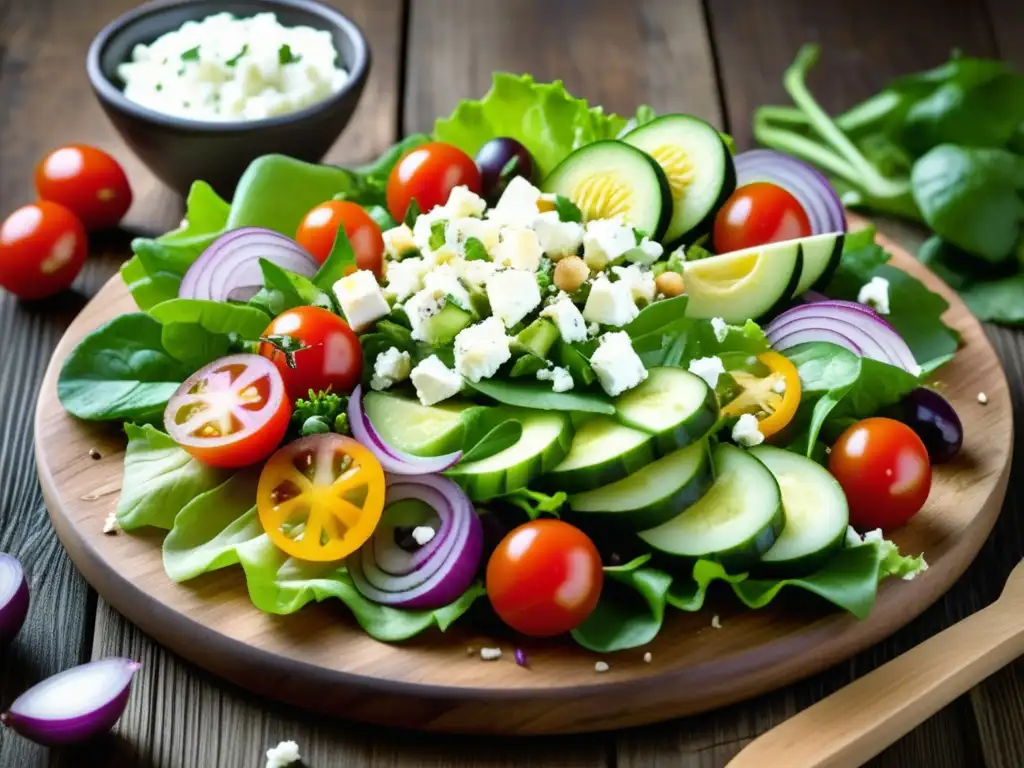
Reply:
x=110, y=524
x=490, y=654
x=708, y=368
x=283, y=755
x=982, y=398
x=875, y=293
x=720, y=328
x=423, y=534
x=647, y=657
x=746, y=431
x=601, y=666
x=715, y=622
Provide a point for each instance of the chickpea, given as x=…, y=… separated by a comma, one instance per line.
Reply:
x=669, y=283
x=570, y=274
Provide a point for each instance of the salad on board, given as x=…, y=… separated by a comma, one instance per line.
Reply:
x=547, y=363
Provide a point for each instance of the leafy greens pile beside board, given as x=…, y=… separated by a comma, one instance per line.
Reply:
x=944, y=148
x=683, y=347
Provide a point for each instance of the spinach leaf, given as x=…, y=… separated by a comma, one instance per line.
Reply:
x=1001, y=301
x=148, y=290
x=206, y=216
x=630, y=611
x=159, y=479
x=120, y=371
x=992, y=292
x=295, y=290
x=340, y=259
x=192, y=344
x=567, y=210
x=504, y=435
x=656, y=316
x=541, y=397
x=535, y=503
x=382, y=218
x=576, y=359
x=527, y=365
x=215, y=316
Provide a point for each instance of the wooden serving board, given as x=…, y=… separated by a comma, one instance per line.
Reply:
x=319, y=659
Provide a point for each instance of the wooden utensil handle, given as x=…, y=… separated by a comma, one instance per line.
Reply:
x=857, y=722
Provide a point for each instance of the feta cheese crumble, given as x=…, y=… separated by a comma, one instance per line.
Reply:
x=490, y=654
x=481, y=349
x=708, y=368
x=513, y=294
x=983, y=398
x=716, y=622
x=720, y=329
x=404, y=278
x=640, y=282
x=518, y=205
x=434, y=381
x=518, y=249
x=224, y=68
x=557, y=238
x=610, y=303
x=605, y=240
x=423, y=534
x=875, y=293
x=567, y=318
x=361, y=300
x=617, y=366
x=648, y=658
x=560, y=378
x=398, y=242
x=745, y=431
x=283, y=755
x=601, y=666
x=391, y=366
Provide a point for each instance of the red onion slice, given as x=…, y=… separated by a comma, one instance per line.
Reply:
x=811, y=189
x=434, y=575
x=14, y=596
x=76, y=704
x=229, y=270
x=391, y=459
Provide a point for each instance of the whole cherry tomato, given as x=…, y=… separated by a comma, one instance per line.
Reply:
x=544, y=578
x=329, y=355
x=42, y=249
x=428, y=174
x=319, y=229
x=756, y=214
x=87, y=181
x=883, y=468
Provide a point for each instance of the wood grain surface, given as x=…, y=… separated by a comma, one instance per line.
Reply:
x=182, y=718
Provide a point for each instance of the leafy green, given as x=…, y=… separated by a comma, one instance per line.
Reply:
x=192, y=54
x=437, y=235
x=120, y=371
x=539, y=396
x=543, y=117
x=475, y=250
x=655, y=316
x=1001, y=301
x=159, y=479
x=527, y=365
x=535, y=503
x=285, y=55
x=339, y=260
x=291, y=289
x=194, y=345
x=567, y=210
x=630, y=611
x=577, y=360
x=217, y=317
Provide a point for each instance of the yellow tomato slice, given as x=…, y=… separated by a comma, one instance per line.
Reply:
x=320, y=498
x=760, y=395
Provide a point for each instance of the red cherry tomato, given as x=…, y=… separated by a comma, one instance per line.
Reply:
x=332, y=357
x=883, y=468
x=428, y=174
x=88, y=181
x=544, y=578
x=319, y=229
x=231, y=413
x=42, y=249
x=756, y=214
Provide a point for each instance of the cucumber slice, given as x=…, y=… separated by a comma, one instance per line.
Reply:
x=538, y=337
x=735, y=522
x=816, y=513
x=743, y=285
x=654, y=494
x=546, y=438
x=698, y=166
x=442, y=328
x=674, y=406
x=821, y=255
x=602, y=452
x=610, y=178
x=414, y=428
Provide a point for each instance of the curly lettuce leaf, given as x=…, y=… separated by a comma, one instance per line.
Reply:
x=544, y=117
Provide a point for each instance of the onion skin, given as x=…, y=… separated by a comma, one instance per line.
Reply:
x=15, y=609
x=68, y=730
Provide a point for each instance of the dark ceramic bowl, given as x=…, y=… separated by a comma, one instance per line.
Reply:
x=180, y=150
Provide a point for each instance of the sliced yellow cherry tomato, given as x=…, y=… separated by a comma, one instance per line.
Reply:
x=320, y=497
x=761, y=395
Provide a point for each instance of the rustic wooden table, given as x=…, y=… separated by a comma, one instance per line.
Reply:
x=718, y=59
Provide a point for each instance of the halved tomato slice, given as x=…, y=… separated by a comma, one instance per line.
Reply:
x=231, y=413
x=769, y=389
x=320, y=497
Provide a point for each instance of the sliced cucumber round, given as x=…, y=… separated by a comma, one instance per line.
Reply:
x=609, y=178
x=674, y=406
x=734, y=523
x=698, y=166
x=743, y=285
x=545, y=440
x=821, y=255
x=654, y=494
x=414, y=428
x=817, y=514
x=602, y=452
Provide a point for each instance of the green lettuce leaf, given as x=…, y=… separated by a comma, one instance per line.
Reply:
x=544, y=117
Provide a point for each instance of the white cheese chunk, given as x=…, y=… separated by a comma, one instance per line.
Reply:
x=423, y=228
x=444, y=280
x=423, y=534
x=617, y=366
x=398, y=242
x=646, y=253
x=391, y=366
x=484, y=230
x=567, y=317
x=518, y=204
x=462, y=202
x=513, y=294
x=720, y=329
x=606, y=240
x=557, y=238
x=481, y=349
x=610, y=303
x=361, y=300
x=421, y=307
x=476, y=272
x=708, y=368
x=560, y=378
x=404, y=277
x=284, y=755
x=875, y=293
x=518, y=248
x=745, y=431
x=639, y=280
x=434, y=381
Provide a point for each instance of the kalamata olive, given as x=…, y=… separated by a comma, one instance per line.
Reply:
x=934, y=420
x=499, y=161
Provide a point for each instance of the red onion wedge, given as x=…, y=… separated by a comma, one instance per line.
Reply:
x=415, y=560
x=13, y=596
x=393, y=460
x=812, y=190
x=229, y=270
x=855, y=326
x=74, y=705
